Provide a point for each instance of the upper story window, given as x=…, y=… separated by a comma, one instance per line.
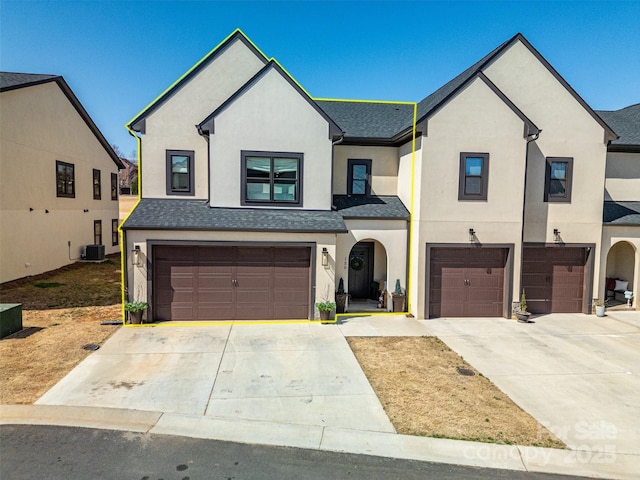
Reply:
x=270, y=178
x=473, y=176
x=558, y=179
x=96, y=185
x=359, y=177
x=114, y=186
x=65, y=179
x=180, y=172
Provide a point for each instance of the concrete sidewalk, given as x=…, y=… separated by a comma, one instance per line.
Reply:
x=300, y=386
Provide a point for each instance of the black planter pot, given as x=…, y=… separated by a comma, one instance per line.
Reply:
x=398, y=303
x=135, y=318
x=325, y=316
x=523, y=317
x=341, y=302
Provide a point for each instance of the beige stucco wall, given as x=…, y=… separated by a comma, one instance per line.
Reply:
x=172, y=125
x=390, y=247
x=476, y=120
x=384, y=168
x=271, y=116
x=138, y=276
x=33, y=242
x=630, y=267
x=622, y=173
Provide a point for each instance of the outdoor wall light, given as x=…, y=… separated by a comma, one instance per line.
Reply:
x=85, y=210
x=136, y=256
x=556, y=235
x=325, y=257
x=472, y=235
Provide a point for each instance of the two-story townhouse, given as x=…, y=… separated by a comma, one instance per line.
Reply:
x=490, y=185
x=58, y=178
x=620, y=258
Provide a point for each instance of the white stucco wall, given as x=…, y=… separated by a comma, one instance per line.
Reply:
x=138, y=276
x=271, y=116
x=622, y=173
x=384, y=168
x=38, y=125
x=172, y=125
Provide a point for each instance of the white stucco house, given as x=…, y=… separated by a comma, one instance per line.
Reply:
x=256, y=198
x=58, y=178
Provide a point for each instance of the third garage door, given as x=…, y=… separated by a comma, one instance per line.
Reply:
x=467, y=282
x=231, y=282
x=553, y=279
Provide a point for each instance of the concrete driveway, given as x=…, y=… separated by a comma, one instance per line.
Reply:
x=302, y=374
x=579, y=375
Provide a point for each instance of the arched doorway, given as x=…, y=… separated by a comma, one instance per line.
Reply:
x=367, y=268
x=620, y=266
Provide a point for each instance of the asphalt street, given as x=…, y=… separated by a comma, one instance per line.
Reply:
x=66, y=453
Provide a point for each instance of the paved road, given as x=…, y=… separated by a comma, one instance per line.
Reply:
x=67, y=453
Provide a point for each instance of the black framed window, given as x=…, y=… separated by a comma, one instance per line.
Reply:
x=114, y=232
x=97, y=187
x=558, y=179
x=114, y=186
x=97, y=232
x=180, y=172
x=65, y=179
x=359, y=177
x=473, y=176
x=271, y=178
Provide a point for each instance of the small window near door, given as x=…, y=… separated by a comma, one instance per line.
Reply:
x=359, y=177
x=114, y=186
x=114, y=232
x=474, y=176
x=558, y=179
x=97, y=232
x=96, y=185
x=180, y=173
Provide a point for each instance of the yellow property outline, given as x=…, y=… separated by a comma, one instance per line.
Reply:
x=336, y=319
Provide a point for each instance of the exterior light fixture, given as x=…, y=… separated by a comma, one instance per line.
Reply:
x=325, y=257
x=556, y=235
x=136, y=255
x=472, y=235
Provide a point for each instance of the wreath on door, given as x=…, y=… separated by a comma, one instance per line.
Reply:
x=356, y=263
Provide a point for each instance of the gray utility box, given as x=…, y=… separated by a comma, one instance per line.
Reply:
x=10, y=318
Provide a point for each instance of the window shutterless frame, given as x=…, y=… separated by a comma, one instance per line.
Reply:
x=97, y=232
x=271, y=178
x=558, y=179
x=114, y=186
x=179, y=172
x=65, y=179
x=473, y=176
x=359, y=177
x=114, y=232
x=97, y=184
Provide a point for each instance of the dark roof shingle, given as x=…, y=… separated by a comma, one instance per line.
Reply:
x=383, y=207
x=621, y=213
x=625, y=122
x=179, y=214
x=13, y=80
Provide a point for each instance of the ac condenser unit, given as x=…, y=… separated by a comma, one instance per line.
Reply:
x=94, y=252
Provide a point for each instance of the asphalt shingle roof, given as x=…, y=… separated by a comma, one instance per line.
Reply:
x=179, y=214
x=621, y=213
x=383, y=207
x=11, y=80
x=369, y=119
x=625, y=122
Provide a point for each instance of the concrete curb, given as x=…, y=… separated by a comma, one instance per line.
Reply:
x=610, y=465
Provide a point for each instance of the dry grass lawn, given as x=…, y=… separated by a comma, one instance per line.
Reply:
x=418, y=384
x=62, y=311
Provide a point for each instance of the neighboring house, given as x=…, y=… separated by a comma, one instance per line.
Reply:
x=128, y=177
x=59, y=187
x=273, y=196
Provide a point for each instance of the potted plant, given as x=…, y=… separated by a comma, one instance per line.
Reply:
x=135, y=309
x=522, y=314
x=341, y=297
x=600, y=305
x=325, y=308
x=398, y=298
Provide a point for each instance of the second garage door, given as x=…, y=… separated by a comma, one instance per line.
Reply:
x=231, y=282
x=553, y=279
x=467, y=282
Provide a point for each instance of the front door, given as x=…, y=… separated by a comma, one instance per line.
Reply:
x=361, y=270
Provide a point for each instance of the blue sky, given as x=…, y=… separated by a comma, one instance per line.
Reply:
x=118, y=56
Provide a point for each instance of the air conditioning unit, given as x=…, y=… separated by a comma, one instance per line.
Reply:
x=94, y=252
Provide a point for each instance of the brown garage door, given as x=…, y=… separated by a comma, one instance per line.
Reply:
x=553, y=279
x=231, y=283
x=467, y=282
